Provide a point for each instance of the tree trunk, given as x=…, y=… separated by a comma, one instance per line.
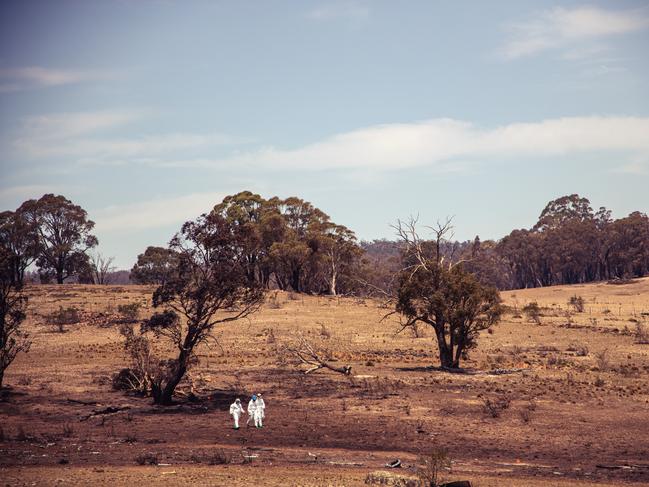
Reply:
x=59, y=276
x=332, y=284
x=2, y=374
x=295, y=280
x=445, y=352
x=163, y=395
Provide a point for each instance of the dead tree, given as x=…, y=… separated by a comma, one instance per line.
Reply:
x=316, y=357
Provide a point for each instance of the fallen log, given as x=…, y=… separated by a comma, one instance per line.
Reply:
x=107, y=410
x=81, y=401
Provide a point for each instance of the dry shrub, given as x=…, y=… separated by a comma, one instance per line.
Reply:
x=602, y=359
x=21, y=435
x=324, y=331
x=138, y=377
x=526, y=415
x=130, y=311
x=64, y=316
x=556, y=360
x=68, y=430
x=273, y=301
x=579, y=350
x=577, y=303
x=432, y=465
x=390, y=478
x=270, y=336
x=147, y=459
x=533, y=312
x=220, y=457
x=641, y=333
x=494, y=406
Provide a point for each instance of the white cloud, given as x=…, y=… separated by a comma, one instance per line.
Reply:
x=56, y=126
x=78, y=135
x=12, y=197
x=154, y=213
x=440, y=143
x=562, y=28
x=29, y=77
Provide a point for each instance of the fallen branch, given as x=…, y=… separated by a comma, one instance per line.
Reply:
x=85, y=403
x=107, y=410
x=316, y=359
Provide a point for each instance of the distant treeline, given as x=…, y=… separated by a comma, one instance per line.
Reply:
x=289, y=244
x=569, y=244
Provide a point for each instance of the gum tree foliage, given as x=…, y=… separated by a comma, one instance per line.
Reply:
x=20, y=241
x=13, y=304
x=63, y=234
x=438, y=292
x=154, y=265
x=208, y=287
x=571, y=243
x=291, y=244
x=285, y=243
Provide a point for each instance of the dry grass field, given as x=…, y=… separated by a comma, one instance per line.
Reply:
x=573, y=409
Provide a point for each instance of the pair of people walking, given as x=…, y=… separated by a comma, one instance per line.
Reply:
x=256, y=411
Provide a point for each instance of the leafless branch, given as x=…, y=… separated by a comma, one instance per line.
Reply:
x=315, y=358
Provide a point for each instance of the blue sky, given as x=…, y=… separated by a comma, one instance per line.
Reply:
x=147, y=113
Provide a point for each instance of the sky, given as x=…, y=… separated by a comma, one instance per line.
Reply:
x=147, y=113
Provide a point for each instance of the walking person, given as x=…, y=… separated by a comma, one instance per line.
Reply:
x=261, y=405
x=236, y=410
x=255, y=412
x=252, y=406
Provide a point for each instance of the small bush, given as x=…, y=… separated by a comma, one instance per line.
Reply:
x=432, y=465
x=495, y=406
x=579, y=350
x=21, y=435
x=270, y=336
x=557, y=360
x=526, y=415
x=147, y=459
x=533, y=312
x=221, y=457
x=577, y=303
x=64, y=316
x=641, y=333
x=324, y=332
x=603, y=362
x=128, y=380
x=68, y=430
x=130, y=438
x=130, y=311
x=273, y=301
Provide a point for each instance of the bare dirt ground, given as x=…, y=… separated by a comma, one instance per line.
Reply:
x=578, y=399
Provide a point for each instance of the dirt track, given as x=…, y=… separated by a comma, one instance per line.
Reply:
x=570, y=414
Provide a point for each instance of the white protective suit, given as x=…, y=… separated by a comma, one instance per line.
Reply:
x=255, y=412
x=236, y=410
x=261, y=405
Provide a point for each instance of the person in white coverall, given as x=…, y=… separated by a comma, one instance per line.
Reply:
x=236, y=410
x=255, y=412
x=262, y=405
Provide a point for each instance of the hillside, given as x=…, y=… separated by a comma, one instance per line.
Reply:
x=575, y=399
